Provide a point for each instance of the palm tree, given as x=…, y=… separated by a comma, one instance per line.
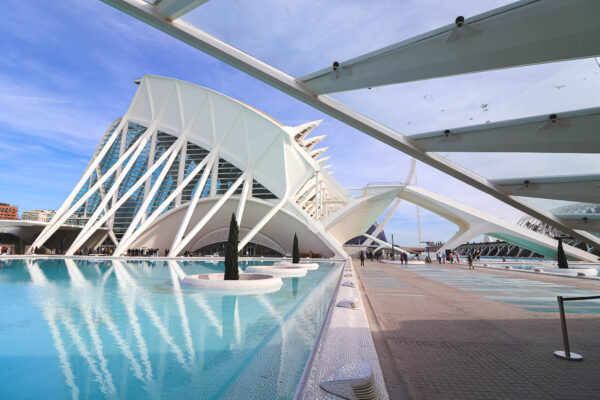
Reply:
x=231, y=251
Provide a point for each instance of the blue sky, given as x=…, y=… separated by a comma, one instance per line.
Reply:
x=67, y=68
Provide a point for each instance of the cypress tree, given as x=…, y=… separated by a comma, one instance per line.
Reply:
x=295, y=251
x=231, y=252
x=561, y=256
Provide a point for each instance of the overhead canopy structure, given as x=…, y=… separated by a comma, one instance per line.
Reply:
x=523, y=33
x=581, y=188
x=569, y=132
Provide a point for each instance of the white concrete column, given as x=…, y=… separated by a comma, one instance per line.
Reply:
x=242, y=204
x=214, y=179
x=192, y=205
x=181, y=172
x=157, y=212
x=208, y=215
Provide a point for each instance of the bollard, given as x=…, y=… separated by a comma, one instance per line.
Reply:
x=566, y=354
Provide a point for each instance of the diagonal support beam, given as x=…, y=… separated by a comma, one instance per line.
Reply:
x=198, y=227
x=522, y=33
x=293, y=87
x=136, y=149
x=92, y=225
x=126, y=242
x=244, y=196
x=261, y=223
x=386, y=219
x=192, y=206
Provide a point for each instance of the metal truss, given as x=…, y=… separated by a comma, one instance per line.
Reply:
x=582, y=27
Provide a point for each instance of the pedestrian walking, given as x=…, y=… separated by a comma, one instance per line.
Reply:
x=362, y=258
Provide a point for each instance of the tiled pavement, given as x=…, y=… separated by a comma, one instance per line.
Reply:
x=450, y=333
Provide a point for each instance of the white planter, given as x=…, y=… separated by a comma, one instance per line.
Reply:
x=306, y=265
x=247, y=284
x=282, y=271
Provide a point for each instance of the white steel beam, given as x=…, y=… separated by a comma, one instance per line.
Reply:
x=213, y=210
x=293, y=87
x=151, y=157
x=121, y=125
x=214, y=179
x=136, y=149
x=142, y=210
x=386, y=219
x=181, y=172
x=261, y=223
x=522, y=33
x=192, y=206
x=113, y=191
x=582, y=188
x=568, y=132
x=242, y=204
x=93, y=225
x=126, y=242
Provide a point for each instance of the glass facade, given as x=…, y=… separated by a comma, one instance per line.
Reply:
x=185, y=162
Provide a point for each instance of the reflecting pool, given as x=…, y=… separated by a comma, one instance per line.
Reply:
x=74, y=329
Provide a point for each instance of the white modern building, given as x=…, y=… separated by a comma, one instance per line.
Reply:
x=38, y=215
x=183, y=158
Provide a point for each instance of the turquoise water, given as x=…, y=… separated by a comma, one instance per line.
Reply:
x=530, y=295
x=126, y=329
x=574, y=270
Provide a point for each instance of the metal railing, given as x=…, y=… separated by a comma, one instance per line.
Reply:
x=566, y=354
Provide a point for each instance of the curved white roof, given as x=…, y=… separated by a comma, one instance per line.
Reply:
x=246, y=137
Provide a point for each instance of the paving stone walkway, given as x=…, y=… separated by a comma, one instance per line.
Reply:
x=451, y=333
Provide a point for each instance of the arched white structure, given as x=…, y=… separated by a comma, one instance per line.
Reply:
x=183, y=158
x=472, y=223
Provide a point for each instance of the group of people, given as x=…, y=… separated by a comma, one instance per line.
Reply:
x=452, y=256
x=455, y=256
x=102, y=250
x=144, y=252
x=370, y=255
x=403, y=258
x=6, y=251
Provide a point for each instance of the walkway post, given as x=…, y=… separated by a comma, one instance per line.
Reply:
x=566, y=354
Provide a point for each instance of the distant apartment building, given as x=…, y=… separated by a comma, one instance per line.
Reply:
x=8, y=211
x=38, y=215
